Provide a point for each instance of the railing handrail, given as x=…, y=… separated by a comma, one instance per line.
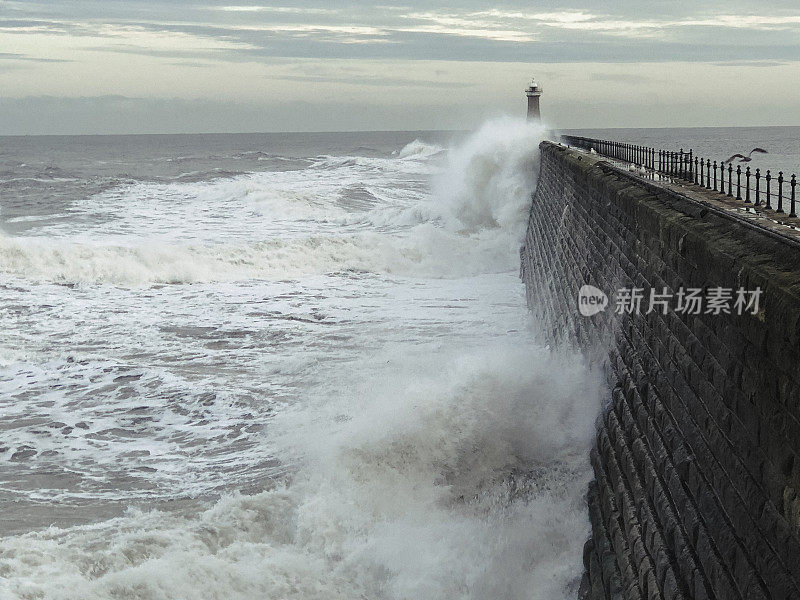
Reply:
x=686, y=166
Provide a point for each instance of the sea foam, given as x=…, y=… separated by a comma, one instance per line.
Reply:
x=286, y=225
x=457, y=477
x=440, y=458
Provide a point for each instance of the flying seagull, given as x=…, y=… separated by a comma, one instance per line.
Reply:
x=744, y=158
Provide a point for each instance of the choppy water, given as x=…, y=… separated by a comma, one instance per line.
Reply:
x=303, y=361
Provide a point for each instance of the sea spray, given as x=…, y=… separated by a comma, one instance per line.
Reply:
x=284, y=225
x=427, y=448
x=488, y=181
x=459, y=477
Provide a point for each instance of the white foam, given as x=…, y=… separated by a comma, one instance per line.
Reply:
x=419, y=149
x=285, y=225
x=425, y=460
x=69, y=262
x=488, y=181
x=411, y=486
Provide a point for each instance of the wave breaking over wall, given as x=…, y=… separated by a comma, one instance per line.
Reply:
x=437, y=455
x=696, y=478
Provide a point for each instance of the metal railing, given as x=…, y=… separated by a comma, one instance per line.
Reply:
x=755, y=188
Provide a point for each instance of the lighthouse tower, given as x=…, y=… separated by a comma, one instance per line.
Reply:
x=533, y=92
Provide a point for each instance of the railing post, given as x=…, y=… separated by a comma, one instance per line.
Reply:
x=702, y=180
x=715, y=176
x=758, y=188
x=738, y=182
x=721, y=178
x=780, y=192
x=695, y=169
x=768, y=178
x=690, y=168
x=730, y=180
x=708, y=173
x=680, y=166
x=747, y=186
x=793, y=184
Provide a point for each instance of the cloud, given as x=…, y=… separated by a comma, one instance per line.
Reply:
x=291, y=10
x=232, y=49
x=620, y=77
x=26, y=58
x=361, y=80
x=121, y=115
x=555, y=32
x=752, y=63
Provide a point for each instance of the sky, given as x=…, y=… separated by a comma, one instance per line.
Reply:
x=175, y=66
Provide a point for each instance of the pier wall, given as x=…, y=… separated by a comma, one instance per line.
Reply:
x=697, y=474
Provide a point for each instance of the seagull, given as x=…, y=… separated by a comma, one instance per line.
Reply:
x=744, y=158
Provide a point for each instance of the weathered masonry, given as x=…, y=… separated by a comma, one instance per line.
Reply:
x=697, y=478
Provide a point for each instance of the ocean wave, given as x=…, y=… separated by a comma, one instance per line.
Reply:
x=449, y=475
x=488, y=181
x=370, y=215
x=419, y=150
x=67, y=262
x=423, y=251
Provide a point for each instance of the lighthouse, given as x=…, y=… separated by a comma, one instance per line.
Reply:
x=533, y=92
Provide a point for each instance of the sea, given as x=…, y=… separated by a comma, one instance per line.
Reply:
x=290, y=366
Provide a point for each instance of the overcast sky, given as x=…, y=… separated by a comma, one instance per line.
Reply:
x=106, y=66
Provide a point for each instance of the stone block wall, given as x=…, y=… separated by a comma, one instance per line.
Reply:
x=697, y=478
